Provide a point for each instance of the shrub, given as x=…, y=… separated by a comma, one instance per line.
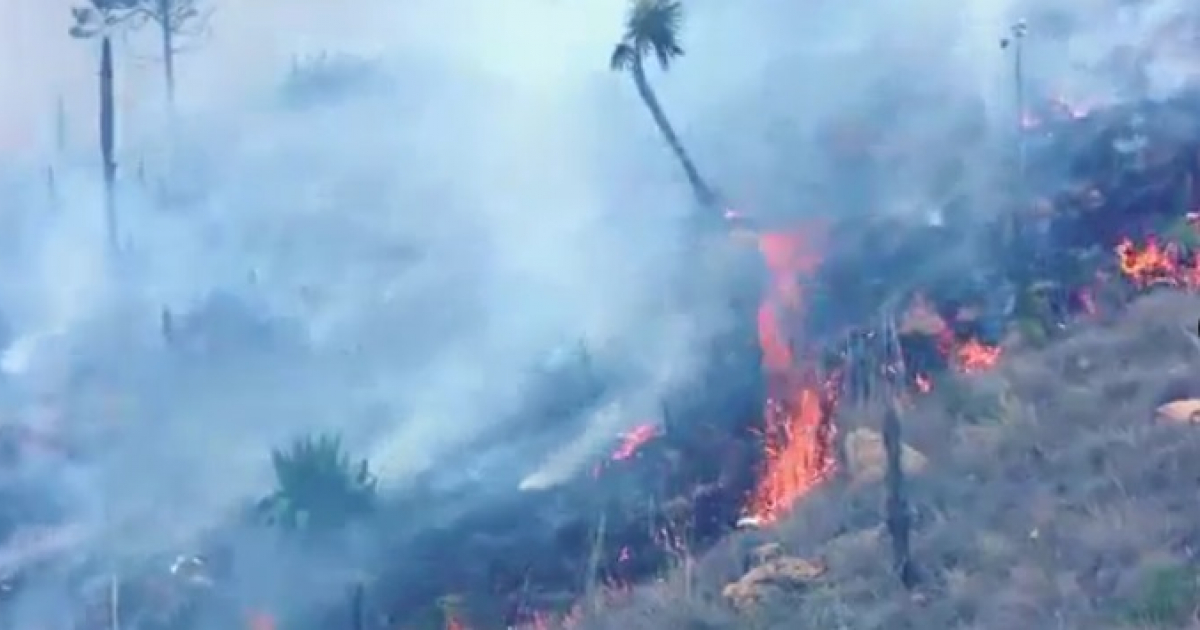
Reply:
x=319, y=487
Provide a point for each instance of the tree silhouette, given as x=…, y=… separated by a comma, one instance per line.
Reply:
x=318, y=487
x=174, y=20
x=652, y=29
x=100, y=19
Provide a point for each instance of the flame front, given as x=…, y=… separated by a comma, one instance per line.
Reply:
x=1156, y=264
x=974, y=356
x=796, y=456
x=634, y=440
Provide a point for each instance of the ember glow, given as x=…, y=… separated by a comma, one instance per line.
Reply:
x=796, y=453
x=969, y=356
x=973, y=357
x=261, y=621
x=1156, y=264
x=634, y=440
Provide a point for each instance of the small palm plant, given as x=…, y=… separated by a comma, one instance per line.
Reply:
x=652, y=29
x=319, y=487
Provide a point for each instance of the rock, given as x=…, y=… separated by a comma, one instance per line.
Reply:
x=866, y=458
x=784, y=573
x=763, y=554
x=921, y=319
x=1184, y=411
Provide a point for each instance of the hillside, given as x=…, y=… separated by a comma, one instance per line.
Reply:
x=1046, y=494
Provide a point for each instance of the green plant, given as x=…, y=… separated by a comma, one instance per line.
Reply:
x=319, y=487
x=1167, y=597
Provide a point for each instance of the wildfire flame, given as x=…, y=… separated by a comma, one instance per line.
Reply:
x=970, y=356
x=796, y=453
x=1155, y=264
x=634, y=440
x=974, y=357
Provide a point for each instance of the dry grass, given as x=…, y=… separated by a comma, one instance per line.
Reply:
x=1052, y=500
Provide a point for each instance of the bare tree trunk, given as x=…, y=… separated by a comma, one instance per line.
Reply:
x=107, y=143
x=700, y=188
x=60, y=127
x=114, y=603
x=357, y=620
x=51, y=188
x=591, y=590
x=898, y=519
x=167, y=36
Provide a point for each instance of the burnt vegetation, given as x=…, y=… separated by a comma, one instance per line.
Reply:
x=909, y=445
x=1067, y=503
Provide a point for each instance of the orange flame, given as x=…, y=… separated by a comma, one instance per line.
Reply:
x=1156, y=264
x=634, y=440
x=974, y=357
x=796, y=456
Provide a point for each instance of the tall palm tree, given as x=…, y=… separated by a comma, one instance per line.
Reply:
x=652, y=28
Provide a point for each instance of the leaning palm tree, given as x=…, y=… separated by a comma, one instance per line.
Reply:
x=652, y=28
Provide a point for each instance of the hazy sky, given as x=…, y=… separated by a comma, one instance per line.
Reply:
x=531, y=41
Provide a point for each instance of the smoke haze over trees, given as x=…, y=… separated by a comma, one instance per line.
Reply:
x=403, y=219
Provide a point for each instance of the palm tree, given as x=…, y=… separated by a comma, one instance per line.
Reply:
x=319, y=487
x=652, y=28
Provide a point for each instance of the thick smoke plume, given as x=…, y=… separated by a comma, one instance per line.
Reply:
x=482, y=209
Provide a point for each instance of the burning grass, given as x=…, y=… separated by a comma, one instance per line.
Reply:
x=1038, y=492
x=1061, y=503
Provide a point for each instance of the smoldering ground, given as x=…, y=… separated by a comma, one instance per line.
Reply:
x=427, y=246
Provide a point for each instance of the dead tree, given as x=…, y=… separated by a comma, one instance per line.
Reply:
x=357, y=607
x=101, y=19
x=897, y=516
x=175, y=20
x=1015, y=41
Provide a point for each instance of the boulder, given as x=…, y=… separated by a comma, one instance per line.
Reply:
x=866, y=459
x=777, y=575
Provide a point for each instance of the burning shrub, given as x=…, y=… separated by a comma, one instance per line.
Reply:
x=319, y=487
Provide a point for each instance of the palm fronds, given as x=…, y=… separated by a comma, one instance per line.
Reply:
x=319, y=487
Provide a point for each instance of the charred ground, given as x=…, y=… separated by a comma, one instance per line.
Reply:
x=1040, y=492
x=1051, y=496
